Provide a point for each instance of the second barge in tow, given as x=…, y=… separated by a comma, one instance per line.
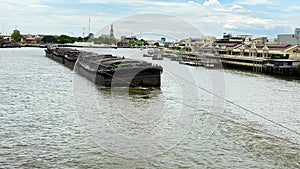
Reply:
x=108, y=70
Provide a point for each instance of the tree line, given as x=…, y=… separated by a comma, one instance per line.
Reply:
x=62, y=39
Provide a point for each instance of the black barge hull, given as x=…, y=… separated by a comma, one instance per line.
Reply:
x=108, y=70
x=139, y=77
x=65, y=56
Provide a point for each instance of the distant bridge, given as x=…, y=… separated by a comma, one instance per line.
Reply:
x=153, y=35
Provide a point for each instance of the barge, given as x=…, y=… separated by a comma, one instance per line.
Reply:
x=112, y=71
x=107, y=70
x=65, y=56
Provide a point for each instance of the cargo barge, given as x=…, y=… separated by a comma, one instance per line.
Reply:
x=65, y=56
x=107, y=70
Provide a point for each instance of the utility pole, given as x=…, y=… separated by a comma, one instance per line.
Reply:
x=83, y=33
x=89, y=25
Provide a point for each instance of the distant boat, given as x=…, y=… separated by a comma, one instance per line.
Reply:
x=192, y=63
x=147, y=55
x=11, y=45
x=157, y=58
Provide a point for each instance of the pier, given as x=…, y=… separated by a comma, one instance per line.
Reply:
x=264, y=65
x=285, y=67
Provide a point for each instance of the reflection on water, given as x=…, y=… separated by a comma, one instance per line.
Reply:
x=50, y=118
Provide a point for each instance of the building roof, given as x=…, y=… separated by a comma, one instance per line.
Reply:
x=230, y=45
x=271, y=47
x=30, y=39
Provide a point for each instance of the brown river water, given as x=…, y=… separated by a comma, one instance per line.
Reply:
x=52, y=118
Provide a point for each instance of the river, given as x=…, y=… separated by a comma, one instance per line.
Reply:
x=200, y=118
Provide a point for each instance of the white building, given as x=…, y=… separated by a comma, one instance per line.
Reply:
x=293, y=39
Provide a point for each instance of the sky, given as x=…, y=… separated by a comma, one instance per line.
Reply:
x=174, y=19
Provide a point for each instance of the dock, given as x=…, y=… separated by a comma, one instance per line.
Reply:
x=258, y=64
x=267, y=65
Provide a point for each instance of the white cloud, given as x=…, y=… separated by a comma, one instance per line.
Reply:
x=239, y=22
x=292, y=9
x=95, y=1
x=38, y=16
x=194, y=3
x=237, y=8
x=115, y=1
x=256, y=2
x=232, y=9
x=211, y=3
x=230, y=26
x=131, y=2
x=153, y=23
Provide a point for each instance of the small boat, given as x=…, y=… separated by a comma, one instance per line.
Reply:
x=192, y=63
x=157, y=58
x=11, y=45
x=147, y=55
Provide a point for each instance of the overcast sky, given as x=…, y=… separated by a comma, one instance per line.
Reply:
x=208, y=17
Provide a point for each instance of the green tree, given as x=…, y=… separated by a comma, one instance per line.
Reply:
x=145, y=43
x=86, y=39
x=49, y=39
x=66, y=39
x=16, y=36
x=79, y=39
x=156, y=44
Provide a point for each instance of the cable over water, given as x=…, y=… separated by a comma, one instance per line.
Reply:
x=228, y=101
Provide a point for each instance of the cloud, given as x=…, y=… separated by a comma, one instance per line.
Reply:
x=233, y=9
x=237, y=8
x=292, y=9
x=132, y=2
x=141, y=3
x=211, y=3
x=95, y=1
x=256, y=2
x=194, y=3
x=210, y=17
x=154, y=23
x=230, y=26
x=236, y=22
